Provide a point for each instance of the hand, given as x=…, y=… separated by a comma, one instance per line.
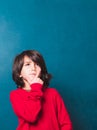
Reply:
x=35, y=79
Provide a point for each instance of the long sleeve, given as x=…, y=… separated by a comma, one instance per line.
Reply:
x=63, y=116
x=27, y=105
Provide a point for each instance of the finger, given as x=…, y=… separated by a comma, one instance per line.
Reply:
x=37, y=75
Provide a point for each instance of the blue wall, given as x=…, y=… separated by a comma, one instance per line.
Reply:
x=65, y=32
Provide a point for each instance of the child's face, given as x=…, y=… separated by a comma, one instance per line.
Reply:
x=29, y=70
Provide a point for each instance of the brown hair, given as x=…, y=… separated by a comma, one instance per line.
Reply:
x=36, y=57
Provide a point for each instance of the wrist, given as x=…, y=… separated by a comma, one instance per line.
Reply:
x=36, y=86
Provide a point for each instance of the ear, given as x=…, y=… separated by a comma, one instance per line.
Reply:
x=20, y=76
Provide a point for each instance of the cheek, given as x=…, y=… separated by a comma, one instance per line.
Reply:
x=23, y=73
x=39, y=70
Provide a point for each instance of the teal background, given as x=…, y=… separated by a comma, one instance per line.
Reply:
x=65, y=33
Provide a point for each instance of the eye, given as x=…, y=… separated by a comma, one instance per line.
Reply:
x=37, y=64
x=26, y=64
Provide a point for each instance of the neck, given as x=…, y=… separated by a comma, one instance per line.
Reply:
x=27, y=87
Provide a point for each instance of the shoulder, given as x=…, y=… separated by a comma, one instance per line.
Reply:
x=15, y=93
x=52, y=91
x=55, y=94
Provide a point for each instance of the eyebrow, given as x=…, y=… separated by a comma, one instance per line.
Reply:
x=27, y=62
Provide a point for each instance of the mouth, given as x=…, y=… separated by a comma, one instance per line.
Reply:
x=33, y=74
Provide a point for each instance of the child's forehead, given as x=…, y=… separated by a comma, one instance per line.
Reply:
x=27, y=59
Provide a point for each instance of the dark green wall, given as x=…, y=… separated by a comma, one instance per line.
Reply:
x=65, y=32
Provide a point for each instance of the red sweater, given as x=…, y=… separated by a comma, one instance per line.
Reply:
x=38, y=110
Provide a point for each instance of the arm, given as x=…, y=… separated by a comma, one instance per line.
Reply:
x=63, y=116
x=29, y=108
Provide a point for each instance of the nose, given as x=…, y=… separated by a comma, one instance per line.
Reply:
x=33, y=66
